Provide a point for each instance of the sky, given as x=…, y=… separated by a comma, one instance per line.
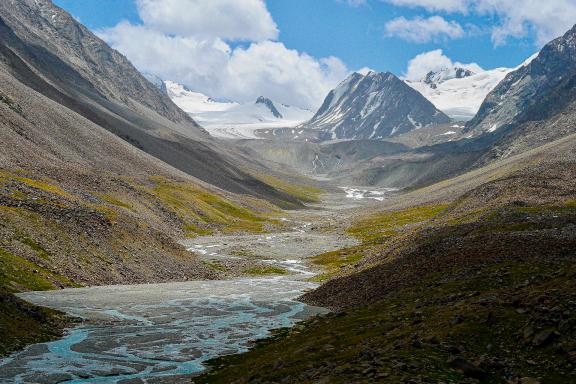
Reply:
x=295, y=51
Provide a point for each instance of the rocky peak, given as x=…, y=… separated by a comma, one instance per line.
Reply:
x=433, y=78
x=535, y=91
x=270, y=105
x=373, y=106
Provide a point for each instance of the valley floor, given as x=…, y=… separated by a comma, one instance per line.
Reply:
x=163, y=333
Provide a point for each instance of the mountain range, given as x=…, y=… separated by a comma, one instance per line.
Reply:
x=103, y=170
x=235, y=120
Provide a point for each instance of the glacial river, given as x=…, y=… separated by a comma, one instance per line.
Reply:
x=163, y=333
x=155, y=333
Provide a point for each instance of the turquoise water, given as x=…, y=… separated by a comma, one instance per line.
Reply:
x=158, y=333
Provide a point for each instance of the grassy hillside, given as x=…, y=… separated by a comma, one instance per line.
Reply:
x=479, y=291
x=91, y=228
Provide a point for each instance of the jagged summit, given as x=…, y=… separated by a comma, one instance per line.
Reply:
x=373, y=106
x=459, y=91
x=433, y=78
x=270, y=105
x=536, y=90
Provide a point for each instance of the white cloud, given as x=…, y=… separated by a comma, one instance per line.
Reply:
x=435, y=60
x=227, y=19
x=420, y=30
x=212, y=67
x=545, y=19
x=365, y=70
x=537, y=19
x=172, y=44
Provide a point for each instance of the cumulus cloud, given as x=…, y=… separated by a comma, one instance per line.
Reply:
x=226, y=19
x=435, y=60
x=540, y=20
x=421, y=30
x=170, y=45
x=212, y=67
x=546, y=20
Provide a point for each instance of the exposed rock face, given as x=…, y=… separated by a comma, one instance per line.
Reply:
x=374, y=106
x=55, y=33
x=433, y=78
x=535, y=91
x=270, y=105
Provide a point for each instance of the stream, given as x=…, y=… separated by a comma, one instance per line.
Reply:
x=163, y=333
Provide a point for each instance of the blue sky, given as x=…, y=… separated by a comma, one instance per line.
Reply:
x=328, y=27
x=378, y=34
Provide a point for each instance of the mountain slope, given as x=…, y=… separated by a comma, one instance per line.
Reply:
x=473, y=284
x=374, y=106
x=536, y=91
x=459, y=92
x=47, y=50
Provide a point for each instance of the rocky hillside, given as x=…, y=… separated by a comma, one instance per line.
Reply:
x=534, y=92
x=469, y=288
x=374, y=106
x=59, y=41
x=50, y=52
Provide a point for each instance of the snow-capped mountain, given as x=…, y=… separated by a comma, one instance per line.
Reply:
x=235, y=120
x=373, y=106
x=536, y=90
x=457, y=91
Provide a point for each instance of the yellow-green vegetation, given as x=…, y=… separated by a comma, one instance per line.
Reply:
x=265, y=271
x=333, y=262
x=44, y=186
x=215, y=266
x=379, y=227
x=203, y=212
x=373, y=232
x=113, y=200
x=304, y=193
x=19, y=274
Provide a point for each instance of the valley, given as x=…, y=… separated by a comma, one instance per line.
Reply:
x=249, y=213
x=165, y=332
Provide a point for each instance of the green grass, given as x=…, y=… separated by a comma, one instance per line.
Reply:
x=22, y=323
x=381, y=226
x=215, y=266
x=373, y=232
x=19, y=274
x=304, y=193
x=114, y=201
x=203, y=212
x=260, y=271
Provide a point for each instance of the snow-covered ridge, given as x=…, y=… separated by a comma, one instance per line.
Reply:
x=458, y=92
x=235, y=120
